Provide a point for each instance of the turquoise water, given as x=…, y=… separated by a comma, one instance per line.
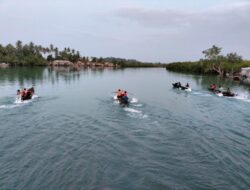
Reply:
x=74, y=135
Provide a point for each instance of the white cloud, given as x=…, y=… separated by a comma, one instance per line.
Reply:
x=145, y=30
x=186, y=33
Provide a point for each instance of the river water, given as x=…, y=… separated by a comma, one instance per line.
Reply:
x=74, y=135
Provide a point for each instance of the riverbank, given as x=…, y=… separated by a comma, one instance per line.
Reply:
x=4, y=65
x=90, y=64
x=204, y=67
x=36, y=55
x=232, y=71
x=103, y=64
x=229, y=65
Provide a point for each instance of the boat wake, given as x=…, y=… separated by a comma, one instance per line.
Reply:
x=8, y=106
x=201, y=94
x=135, y=113
x=131, y=111
x=17, y=103
x=242, y=97
x=133, y=100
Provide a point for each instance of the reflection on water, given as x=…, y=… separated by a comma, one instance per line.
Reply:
x=22, y=75
x=54, y=74
x=33, y=75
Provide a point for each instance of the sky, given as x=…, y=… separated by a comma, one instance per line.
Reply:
x=146, y=30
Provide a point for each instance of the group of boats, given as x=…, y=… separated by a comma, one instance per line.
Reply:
x=122, y=96
x=213, y=88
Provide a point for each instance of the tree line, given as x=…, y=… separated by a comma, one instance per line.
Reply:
x=131, y=62
x=31, y=54
x=212, y=63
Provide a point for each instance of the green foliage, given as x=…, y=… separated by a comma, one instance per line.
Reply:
x=50, y=58
x=212, y=53
x=199, y=67
x=214, y=63
x=94, y=59
x=21, y=55
x=204, y=67
x=34, y=55
x=130, y=62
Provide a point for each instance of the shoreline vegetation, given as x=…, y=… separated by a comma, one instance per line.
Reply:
x=213, y=63
x=36, y=55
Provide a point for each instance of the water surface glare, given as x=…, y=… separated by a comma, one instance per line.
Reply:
x=74, y=135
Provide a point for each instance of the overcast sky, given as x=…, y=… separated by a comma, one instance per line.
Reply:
x=147, y=30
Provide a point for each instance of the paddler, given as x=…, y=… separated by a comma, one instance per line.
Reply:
x=125, y=95
x=18, y=93
x=119, y=93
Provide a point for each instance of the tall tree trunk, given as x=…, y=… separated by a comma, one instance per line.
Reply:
x=218, y=69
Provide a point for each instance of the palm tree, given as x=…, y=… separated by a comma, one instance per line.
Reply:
x=31, y=46
x=40, y=48
x=47, y=50
x=78, y=54
x=56, y=52
x=51, y=47
x=19, y=45
x=44, y=50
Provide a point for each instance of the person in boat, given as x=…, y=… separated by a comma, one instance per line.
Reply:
x=19, y=94
x=124, y=98
x=228, y=93
x=27, y=94
x=32, y=90
x=24, y=92
x=119, y=93
x=177, y=85
x=213, y=87
x=187, y=85
x=221, y=88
